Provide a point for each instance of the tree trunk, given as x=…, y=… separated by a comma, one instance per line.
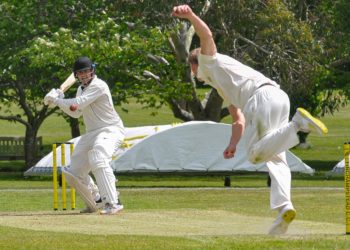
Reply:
x=30, y=146
x=74, y=127
x=213, y=106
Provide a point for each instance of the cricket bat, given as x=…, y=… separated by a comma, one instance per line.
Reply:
x=68, y=83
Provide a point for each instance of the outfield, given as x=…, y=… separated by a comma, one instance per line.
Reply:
x=174, y=218
x=181, y=212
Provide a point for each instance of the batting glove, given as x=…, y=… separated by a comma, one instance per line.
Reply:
x=60, y=94
x=51, y=97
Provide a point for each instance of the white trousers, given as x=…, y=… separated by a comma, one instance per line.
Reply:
x=93, y=153
x=269, y=135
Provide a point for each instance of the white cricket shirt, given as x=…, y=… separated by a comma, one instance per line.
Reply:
x=234, y=81
x=95, y=104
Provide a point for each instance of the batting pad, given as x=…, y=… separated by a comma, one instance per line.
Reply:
x=106, y=183
x=82, y=189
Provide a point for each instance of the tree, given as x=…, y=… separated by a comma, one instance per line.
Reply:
x=332, y=28
x=263, y=34
x=328, y=21
x=18, y=82
x=40, y=57
x=24, y=80
x=276, y=37
x=141, y=52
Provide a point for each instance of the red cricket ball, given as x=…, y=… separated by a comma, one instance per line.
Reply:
x=73, y=107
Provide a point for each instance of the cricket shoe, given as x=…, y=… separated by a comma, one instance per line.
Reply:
x=285, y=217
x=111, y=209
x=306, y=122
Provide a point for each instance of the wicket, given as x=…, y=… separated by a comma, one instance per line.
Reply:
x=55, y=176
x=347, y=186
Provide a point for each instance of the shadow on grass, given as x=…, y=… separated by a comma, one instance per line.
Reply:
x=18, y=176
x=12, y=166
x=321, y=165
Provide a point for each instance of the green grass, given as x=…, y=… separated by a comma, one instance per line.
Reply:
x=40, y=240
x=212, y=215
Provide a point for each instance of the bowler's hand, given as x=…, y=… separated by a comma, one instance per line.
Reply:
x=182, y=11
x=230, y=151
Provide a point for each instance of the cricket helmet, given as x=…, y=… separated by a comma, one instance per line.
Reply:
x=81, y=64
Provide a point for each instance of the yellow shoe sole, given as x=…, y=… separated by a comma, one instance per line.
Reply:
x=289, y=216
x=320, y=127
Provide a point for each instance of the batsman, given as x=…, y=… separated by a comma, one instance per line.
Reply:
x=104, y=134
x=259, y=108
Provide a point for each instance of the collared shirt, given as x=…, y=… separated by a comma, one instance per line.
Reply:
x=234, y=81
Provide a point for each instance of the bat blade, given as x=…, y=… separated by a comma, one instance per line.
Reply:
x=68, y=83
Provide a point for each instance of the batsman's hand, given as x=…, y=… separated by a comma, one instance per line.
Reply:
x=230, y=151
x=182, y=11
x=51, y=97
x=60, y=93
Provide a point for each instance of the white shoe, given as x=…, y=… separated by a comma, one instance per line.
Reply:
x=285, y=217
x=306, y=122
x=111, y=209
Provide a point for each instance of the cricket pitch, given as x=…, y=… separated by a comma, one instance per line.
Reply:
x=184, y=222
